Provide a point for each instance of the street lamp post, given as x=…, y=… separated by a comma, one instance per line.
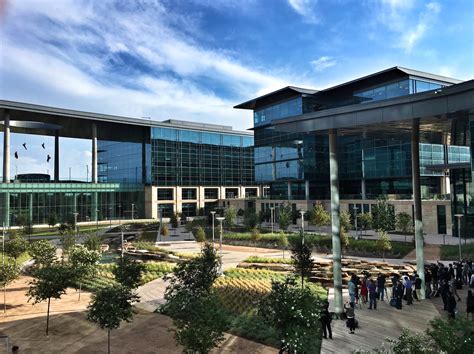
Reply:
x=220, y=219
x=213, y=216
x=97, y=222
x=355, y=222
x=133, y=211
x=459, y=216
x=271, y=216
x=110, y=217
x=302, y=220
x=75, y=224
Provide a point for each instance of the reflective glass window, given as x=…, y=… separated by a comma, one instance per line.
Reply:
x=211, y=138
x=189, y=136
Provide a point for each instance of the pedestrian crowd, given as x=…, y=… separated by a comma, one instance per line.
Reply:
x=440, y=281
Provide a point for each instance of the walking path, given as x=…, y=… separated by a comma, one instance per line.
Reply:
x=432, y=253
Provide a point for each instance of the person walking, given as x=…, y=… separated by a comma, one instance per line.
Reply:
x=326, y=321
x=443, y=291
x=372, y=295
x=380, y=286
x=350, y=314
x=451, y=305
x=409, y=291
x=428, y=279
x=465, y=273
x=418, y=287
x=398, y=294
x=470, y=305
x=364, y=292
x=453, y=288
x=351, y=287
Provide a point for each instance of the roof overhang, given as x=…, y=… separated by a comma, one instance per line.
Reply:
x=275, y=96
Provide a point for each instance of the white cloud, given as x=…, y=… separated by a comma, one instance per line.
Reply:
x=323, y=63
x=306, y=9
x=405, y=20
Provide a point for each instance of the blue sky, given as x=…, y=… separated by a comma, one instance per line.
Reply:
x=195, y=59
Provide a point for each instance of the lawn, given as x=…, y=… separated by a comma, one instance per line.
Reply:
x=451, y=253
x=23, y=258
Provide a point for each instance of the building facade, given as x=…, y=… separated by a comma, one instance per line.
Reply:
x=140, y=168
x=374, y=145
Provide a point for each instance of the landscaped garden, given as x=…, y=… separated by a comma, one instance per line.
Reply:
x=451, y=252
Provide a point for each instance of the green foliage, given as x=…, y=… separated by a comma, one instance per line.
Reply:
x=383, y=215
x=23, y=220
x=452, y=336
x=250, y=218
x=255, y=236
x=240, y=212
x=164, y=230
x=301, y=255
x=174, y=221
x=284, y=216
x=8, y=273
x=230, y=215
x=416, y=343
x=295, y=313
x=365, y=220
x=43, y=252
x=128, y=272
x=83, y=259
x=404, y=223
x=345, y=220
x=263, y=215
x=199, y=234
x=257, y=259
x=319, y=216
x=67, y=240
x=15, y=246
x=52, y=219
x=383, y=242
x=93, y=242
x=345, y=240
x=283, y=242
x=110, y=306
x=190, y=301
x=189, y=226
x=451, y=252
x=64, y=228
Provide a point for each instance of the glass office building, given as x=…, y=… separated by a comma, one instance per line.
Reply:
x=137, y=167
x=373, y=140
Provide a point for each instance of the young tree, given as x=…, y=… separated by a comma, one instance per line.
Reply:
x=8, y=273
x=383, y=215
x=301, y=255
x=263, y=215
x=50, y=282
x=199, y=235
x=129, y=273
x=164, y=230
x=174, y=221
x=43, y=252
x=67, y=240
x=284, y=217
x=383, y=243
x=52, y=220
x=230, y=215
x=295, y=313
x=283, y=242
x=255, y=236
x=404, y=223
x=345, y=240
x=250, y=218
x=365, y=221
x=15, y=246
x=319, y=216
x=93, y=242
x=345, y=220
x=110, y=306
x=84, y=263
x=191, y=302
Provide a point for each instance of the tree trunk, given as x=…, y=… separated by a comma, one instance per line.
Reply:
x=5, y=298
x=47, y=317
x=80, y=288
x=108, y=341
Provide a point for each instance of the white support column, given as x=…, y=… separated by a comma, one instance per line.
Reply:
x=415, y=168
x=6, y=148
x=335, y=222
x=94, y=153
x=306, y=190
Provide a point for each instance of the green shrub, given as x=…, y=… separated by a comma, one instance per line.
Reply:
x=257, y=259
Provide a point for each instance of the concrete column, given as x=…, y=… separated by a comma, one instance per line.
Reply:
x=56, y=156
x=94, y=153
x=94, y=213
x=74, y=203
x=30, y=207
x=289, y=190
x=306, y=190
x=6, y=148
x=415, y=167
x=335, y=209
x=362, y=187
x=6, y=209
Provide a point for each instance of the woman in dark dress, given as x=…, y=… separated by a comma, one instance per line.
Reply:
x=470, y=305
